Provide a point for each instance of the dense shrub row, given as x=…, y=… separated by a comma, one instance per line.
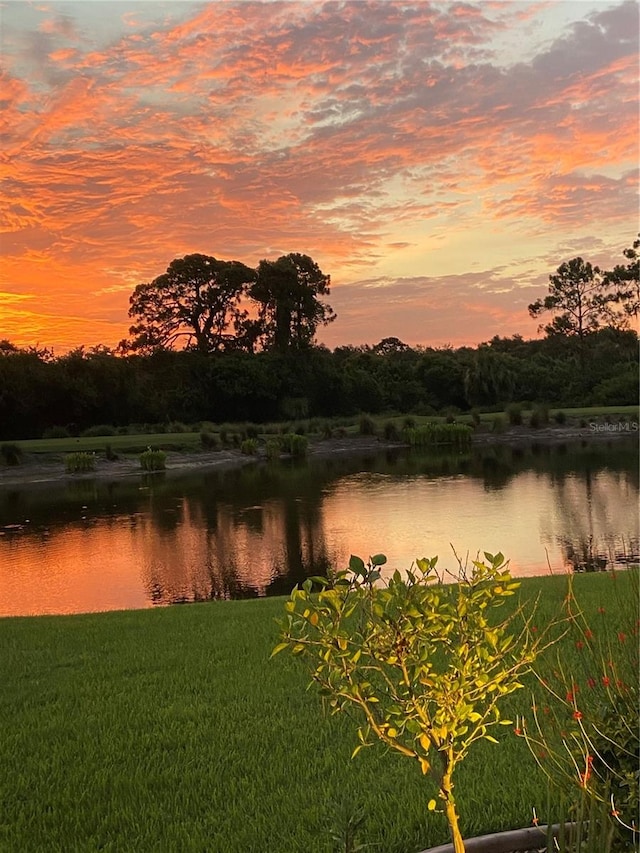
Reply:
x=164, y=392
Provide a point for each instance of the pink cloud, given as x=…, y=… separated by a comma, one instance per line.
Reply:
x=346, y=131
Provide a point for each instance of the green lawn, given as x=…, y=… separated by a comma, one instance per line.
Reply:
x=171, y=730
x=119, y=443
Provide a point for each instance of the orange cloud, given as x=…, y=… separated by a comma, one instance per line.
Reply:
x=365, y=134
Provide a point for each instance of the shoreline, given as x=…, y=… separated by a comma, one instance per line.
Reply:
x=49, y=467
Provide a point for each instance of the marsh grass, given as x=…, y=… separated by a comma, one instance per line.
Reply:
x=170, y=729
x=132, y=441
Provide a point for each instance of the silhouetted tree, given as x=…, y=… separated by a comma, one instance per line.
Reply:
x=198, y=302
x=581, y=298
x=287, y=292
x=625, y=278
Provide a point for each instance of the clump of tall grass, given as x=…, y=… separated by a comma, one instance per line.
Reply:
x=294, y=444
x=273, y=449
x=110, y=454
x=56, y=432
x=560, y=417
x=99, y=430
x=458, y=435
x=209, y=440
x=391, y=432
x=450, y=414
x=539, y=417
x=514, y=414
x=11, y=454
x=153, y=460
x=79, y=463
x=178, y=426
x=366, y=425
x=249, y=447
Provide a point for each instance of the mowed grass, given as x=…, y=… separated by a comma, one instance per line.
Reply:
x=171, y=730
x=120, y=443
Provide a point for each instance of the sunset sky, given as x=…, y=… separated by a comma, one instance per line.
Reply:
x=438, y=160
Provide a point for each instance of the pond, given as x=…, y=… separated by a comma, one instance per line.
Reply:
x=94, y=545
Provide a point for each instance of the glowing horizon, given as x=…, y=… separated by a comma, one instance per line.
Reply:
x=438, y=160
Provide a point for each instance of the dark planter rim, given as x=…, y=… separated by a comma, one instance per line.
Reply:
x=511, y=841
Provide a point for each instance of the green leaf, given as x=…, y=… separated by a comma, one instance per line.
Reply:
x=356, y=750
x=378, y=560
x=356, y=565
x=492, y=739
x=278, y=649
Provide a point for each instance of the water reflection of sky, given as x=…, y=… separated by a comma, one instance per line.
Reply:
x=529, y=519
x=207, y=543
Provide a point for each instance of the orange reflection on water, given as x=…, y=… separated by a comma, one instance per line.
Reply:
x=525, y=519
x=185, y=547
x=74, y=570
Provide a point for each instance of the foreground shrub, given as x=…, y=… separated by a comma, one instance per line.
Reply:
x=249, y=447
x=11, y=454
x=79, y=463
x=585, y=731
x=153, y=460
x=560, y=417
x=422, y=664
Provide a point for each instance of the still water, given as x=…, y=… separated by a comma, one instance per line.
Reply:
x=88, y=545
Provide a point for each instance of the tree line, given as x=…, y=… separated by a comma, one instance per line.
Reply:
x=216, y=341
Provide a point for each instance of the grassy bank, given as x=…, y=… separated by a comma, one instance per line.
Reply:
x=189, y=439
x=171, y=730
